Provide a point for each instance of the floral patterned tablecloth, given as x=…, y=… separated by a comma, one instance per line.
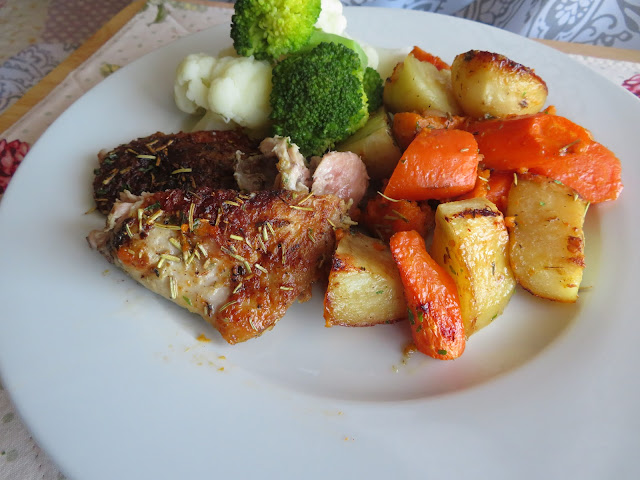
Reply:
x=52, y=36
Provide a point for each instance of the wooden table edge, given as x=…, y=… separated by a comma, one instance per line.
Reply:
x=610, y=53
x=38, y=92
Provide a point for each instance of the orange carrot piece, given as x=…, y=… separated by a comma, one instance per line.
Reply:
x=498, y=189
x=481, y=188
x=434, y=306
x=437, y=164
x=492, y=185
x=385, y=217
x=553, y=146
x=428, y=57
x=406, y=125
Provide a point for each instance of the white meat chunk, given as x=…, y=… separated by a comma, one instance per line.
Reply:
x=254, y=172
x=342, y=174
x=293, y=172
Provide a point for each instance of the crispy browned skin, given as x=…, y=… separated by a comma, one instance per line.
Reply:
x=243, y=259
x=166, y=161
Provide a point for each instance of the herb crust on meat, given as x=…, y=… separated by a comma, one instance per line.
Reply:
x=238, y=260
x=161, y=161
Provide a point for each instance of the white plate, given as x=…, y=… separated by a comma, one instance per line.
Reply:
x=112, y=382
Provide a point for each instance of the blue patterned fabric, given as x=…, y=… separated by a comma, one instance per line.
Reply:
x=24, y=70
x=611, y=23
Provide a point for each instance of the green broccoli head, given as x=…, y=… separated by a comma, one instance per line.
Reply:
x=268, y=29
x=318, y=97
x=320, y=36
x=373, y=88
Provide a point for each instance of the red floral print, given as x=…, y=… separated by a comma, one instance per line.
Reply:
x=11, y=154
x=633, y=84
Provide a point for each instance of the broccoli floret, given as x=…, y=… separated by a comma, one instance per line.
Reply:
x=373, y=88
x=318, y=97
x=268, y=29
x=320, y=36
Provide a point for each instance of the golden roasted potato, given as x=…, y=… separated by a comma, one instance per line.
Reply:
x=470, y=242
x=418, y=86
x=375, y=144
x=364, y=284
x=489, y=84
x=546, y=243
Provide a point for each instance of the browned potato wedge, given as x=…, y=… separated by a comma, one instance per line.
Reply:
x=489, y=84
x=470, y=242
x=364, y=284
x=546, y=237
x=417, y=86
x=376, y=146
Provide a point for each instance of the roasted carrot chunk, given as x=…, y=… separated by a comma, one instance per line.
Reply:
x=406, y=125
x=494, y=186
x=481, y=188
x=432, y=297
x=552, y=146
x=428, y=57
x=385, y=217
x=436, y=165
x=498, y=189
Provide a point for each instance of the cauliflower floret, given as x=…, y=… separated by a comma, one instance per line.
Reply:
x=239, y=91
x=192, y=82
x=229, y=90
x=214, y=121
x=331, y=19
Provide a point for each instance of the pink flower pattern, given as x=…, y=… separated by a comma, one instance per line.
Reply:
x=11, y=154
x=633, y=84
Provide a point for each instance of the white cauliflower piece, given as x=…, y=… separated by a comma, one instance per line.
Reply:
x=331, y=19
x=214, y=121
x=240, y=90
x=229, y=90
x=191, y=87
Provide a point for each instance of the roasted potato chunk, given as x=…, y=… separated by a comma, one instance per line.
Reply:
x=546, y=244
x=489, y=84
x=364, y=284
x=375, y=144
x=470, y=242
x=418, y=86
